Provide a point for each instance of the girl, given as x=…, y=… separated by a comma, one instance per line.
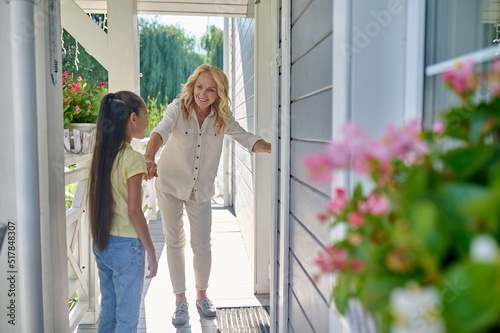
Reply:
x=117, y=223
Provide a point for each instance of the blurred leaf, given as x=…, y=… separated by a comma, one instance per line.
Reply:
x=428, y=231
x=470, y=294
x=456, y=122
x=96, y=105
x=451, y=200
x=377, y=288
x=464, y=162
x=478, y=120
x=341, y=293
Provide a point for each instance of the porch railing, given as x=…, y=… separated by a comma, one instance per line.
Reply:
x=82, y=270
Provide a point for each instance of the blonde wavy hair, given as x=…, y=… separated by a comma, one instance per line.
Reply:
x=221, y=103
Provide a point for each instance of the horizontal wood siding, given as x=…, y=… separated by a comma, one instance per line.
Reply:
x=310, y=130
x=243, y=111
x=298, y=321
x=311, y=304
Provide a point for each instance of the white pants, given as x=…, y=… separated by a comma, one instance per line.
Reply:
x=200, y=220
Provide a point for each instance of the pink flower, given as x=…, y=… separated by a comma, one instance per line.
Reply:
x=356, y=219
x=437, y=128
x=322, y=217
x=102, y=84
x=79, y=79
x=356, y=265
x=78, y=108
x=65, y=101
x=88, y=104
x=339, y=154
x=363, y=207
x=462, y=79
x=331, y=260
x=377, y=205
x=65, y=74
x=319, y=168
x=495, y=66
x=337, y=203
x=494, y=78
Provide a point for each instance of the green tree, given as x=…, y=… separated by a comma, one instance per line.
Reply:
x=83, y=64
x=168, y=57
x=212, y=42
x=155, y=114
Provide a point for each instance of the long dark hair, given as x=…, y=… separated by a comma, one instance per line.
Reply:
x=110, y=141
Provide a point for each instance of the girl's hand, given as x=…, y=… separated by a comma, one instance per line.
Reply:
x=152, y=265
x=152, y=170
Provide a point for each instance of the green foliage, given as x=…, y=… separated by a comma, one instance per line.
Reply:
x=168, y=57
x=155, y=112
x=212, y=43
x=88, y=67
x=439, y=237
x=81, y=101
x=73, y=301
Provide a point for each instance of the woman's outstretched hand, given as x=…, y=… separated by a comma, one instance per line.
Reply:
x=152, y=170
x=262, y=146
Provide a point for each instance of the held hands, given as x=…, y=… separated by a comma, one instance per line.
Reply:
x=152, y=265
x=151, y=170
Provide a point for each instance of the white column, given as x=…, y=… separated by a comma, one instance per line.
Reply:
x=23, y=267
x=123, y=45
x=263, y=162
x=50, y=167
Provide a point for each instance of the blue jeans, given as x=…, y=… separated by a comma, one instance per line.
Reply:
x=121, y=274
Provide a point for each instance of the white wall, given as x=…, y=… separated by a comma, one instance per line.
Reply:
x=7, y=164
x=31, y=159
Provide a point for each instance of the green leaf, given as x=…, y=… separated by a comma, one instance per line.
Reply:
x=68, y=116
x=451, y=201
x=416, y=183
x=470, y=294
x=485, y=207
x=465, y=162
x=456, y=122
x=375, y=294
x=342, y=293
x=96, y=105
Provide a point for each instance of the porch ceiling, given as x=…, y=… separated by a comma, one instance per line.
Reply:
x=230, y=8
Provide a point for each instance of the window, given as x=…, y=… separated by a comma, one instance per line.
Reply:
x=456, y=30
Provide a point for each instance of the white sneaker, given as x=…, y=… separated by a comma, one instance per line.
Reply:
x=206, y=307
x=181, y=314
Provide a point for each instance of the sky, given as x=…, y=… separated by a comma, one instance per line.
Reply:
x=194, y=25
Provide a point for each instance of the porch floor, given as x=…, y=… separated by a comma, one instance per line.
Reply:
x=231, y=279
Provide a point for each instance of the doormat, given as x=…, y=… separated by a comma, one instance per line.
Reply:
x=250, y=319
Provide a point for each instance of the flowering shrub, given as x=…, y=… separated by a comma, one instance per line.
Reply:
x=429, y=224
x=81, y=101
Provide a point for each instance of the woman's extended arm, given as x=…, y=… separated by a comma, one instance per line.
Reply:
x=155, y=142
x=261, y=146
x=139, y=222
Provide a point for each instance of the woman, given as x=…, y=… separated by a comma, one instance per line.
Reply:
x=193, y=129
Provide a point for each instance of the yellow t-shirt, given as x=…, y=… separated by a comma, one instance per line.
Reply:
x=127, y=164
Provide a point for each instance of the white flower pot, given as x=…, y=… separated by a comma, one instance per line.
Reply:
x=80, y=139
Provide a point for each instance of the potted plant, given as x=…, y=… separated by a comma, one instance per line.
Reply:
x=81, y=107
x=420, y=251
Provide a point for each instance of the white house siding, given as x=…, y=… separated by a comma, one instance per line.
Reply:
x=310, y=130
x=242, y=67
